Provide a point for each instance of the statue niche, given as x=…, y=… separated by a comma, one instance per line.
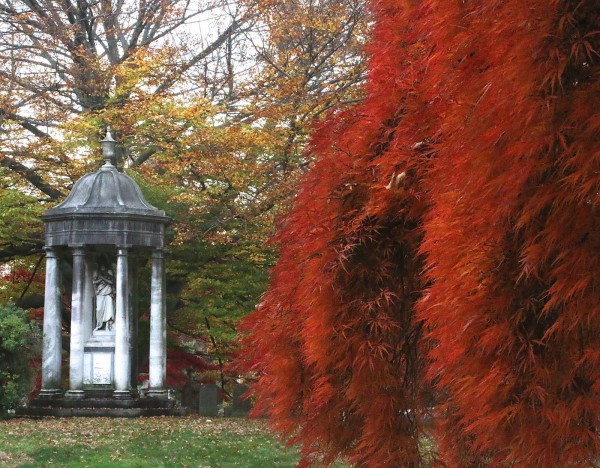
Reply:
x=99, y=334
x=104, y=284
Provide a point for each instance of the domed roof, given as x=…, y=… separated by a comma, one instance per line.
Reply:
x=106, y=191
x=106, y=207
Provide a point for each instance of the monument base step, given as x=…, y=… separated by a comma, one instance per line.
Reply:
x=40, y=412
x=101, y=407
x=99, y=393
x=101, y=403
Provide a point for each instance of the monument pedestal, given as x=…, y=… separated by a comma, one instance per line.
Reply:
x=99, y=361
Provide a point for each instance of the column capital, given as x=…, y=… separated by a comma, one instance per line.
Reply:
x=78, y=250
x=159, y=252
x=122, y=251
x=50, y=252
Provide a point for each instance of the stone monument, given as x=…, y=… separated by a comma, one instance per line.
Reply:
x=105, y=225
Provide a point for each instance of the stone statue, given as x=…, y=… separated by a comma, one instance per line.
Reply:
x=105, y=298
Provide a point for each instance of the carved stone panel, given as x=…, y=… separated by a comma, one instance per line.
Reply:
x=98, y=366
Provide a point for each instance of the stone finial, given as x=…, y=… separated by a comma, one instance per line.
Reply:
x=108, y=148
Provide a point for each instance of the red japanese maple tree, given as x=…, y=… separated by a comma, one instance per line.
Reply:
x=447, y=235
x=512, y=234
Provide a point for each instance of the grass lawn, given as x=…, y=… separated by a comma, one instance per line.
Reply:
x=145, y=442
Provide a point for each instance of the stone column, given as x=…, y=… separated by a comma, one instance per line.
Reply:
x=88, y=298
x=158, y=328
x=134, y=316
x=77, y=332
x=122, y=338
x=52, y=345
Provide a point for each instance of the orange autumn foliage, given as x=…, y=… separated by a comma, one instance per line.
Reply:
x=448, y=235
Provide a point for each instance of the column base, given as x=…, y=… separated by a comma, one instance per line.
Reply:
x=160, y=394
x=47, y=393
x=75, y=394
x=122, y=394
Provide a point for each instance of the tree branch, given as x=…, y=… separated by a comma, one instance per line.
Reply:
x=25, y=123
x=31, y=176
x=144, y=156
x=218, y=42
x=9, y=251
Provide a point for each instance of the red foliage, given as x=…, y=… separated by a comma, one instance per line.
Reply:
x=489, y=113
x=36, y=366
x=36, y=314
x=21, y=275
x=182, y=367
x=512, y=236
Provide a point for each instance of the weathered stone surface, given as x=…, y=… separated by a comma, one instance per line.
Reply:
x=98, y=358
x=208, y=400
x=122, y=338
x=52, y=345
x=77, y=333
x=98, y=366
x=241, y=405
x=100, y=412
x=189, y=395
x=158, y=326
x=101, y=403
x=105, y=208
x=104, y=229
x=101, y=407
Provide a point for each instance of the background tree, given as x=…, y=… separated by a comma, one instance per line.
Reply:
x=311, y=56
x=202, y=96
x=473, y=159
x=236, y=200
x=63, y=59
